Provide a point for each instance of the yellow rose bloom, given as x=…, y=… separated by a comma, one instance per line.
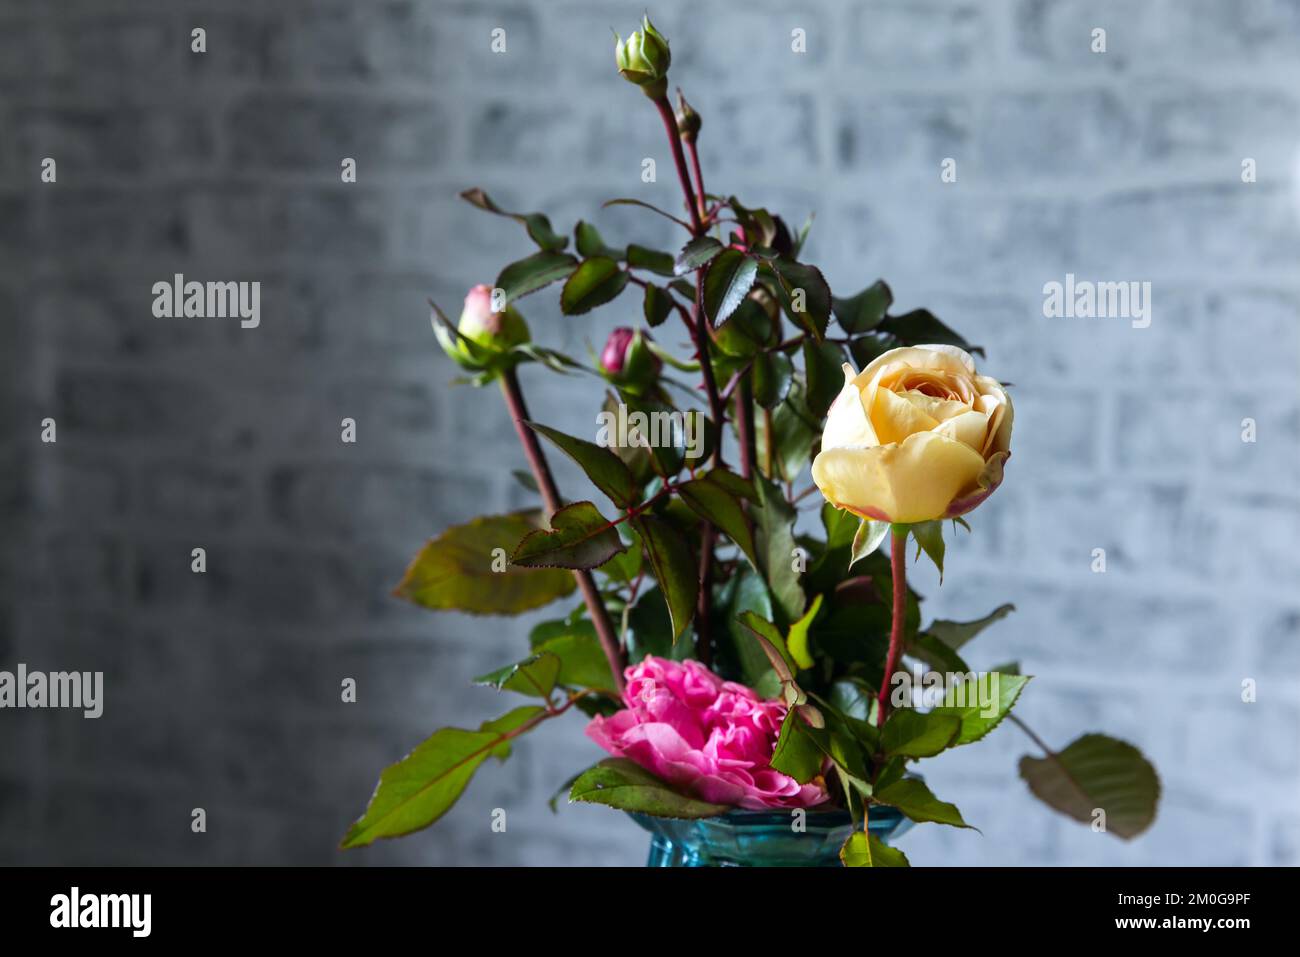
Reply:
x=917, y=435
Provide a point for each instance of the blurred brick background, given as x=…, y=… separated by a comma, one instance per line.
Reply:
x=223, y=690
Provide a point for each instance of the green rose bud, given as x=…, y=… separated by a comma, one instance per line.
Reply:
x=499, y=331
x=643, y=59
x=688, y=121
x=486, y=337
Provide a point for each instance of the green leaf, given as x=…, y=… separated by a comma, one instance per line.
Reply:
x=917, y=802
x=955, y=634
x=804, y=295
x=579, y=537
x=982, y=703
x=778, y=658
x=665, y=448
x=727, y=281
x=854, y=699
x=755, y=661
x=794, y=430
x=553, y=360
x=733, y=483
x=700, y=251
x=771, y=642
x=420, y=788
x=864, y=849
x=465, y=569
x=531, y=274
x=684, y=289
x=796, y=753
x=758, y=224
x=535, y=676
x=674, y=568
x=1097, y=772
x=852, y=702
x=588, y=241
x=882, y=855
x=525, y=478
x=720, y=508
x=802, y=236
x=937, y=655
x=920, y=327
x=867, y=539
x=841, y=526
x=929, y=538
x=797, y=641
x=620, y=783
x=538, y=226
x=772, y=378
x=636, y=458
x=644, y=205
x=656, y=306
x=915, y=734
x=863, y=312
x=867, y=348
x=605, y=469
x=856, y=630
x=582, y=660
x=744, y=595
x=625, y=567
x=595, y=282
x=744, y=332
x=891, y=772
x=824, y=373
x=553, y=801
x=650, y=630
x=639, y=257
x=774, y=520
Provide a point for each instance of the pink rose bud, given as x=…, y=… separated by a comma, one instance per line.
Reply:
x=485, y=338
x=483, y=326
x=615, y=351
x=628, y=361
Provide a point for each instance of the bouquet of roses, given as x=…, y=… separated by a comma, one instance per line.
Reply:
x=723, y=657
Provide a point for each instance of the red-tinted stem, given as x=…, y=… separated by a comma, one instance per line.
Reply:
x=717, y=411
x=704, y=602
x=679, y=159
x=745, y=425
x=551, y=499
x=898, y=571
x=699, y=177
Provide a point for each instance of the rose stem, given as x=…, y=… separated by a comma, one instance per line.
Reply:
x=699, y=176
x=551, y=498
x=1032, y=736
x=674, y=139
x=745, y=426
x=703, y=606
x=898, y=571
x=708, y=536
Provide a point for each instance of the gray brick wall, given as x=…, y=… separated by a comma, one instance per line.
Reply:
x=222, y=690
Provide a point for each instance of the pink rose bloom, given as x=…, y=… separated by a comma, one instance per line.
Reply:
x=711, y=738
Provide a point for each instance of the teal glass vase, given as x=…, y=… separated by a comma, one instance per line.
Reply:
x=761, y=838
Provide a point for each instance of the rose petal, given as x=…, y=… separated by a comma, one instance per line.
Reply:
x=913, y=481
x=846, y=422
x=894, y=418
